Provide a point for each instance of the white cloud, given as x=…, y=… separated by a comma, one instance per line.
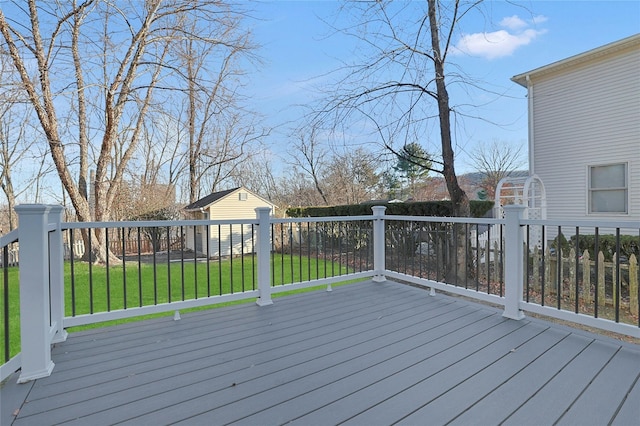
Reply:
x=539, y=19
x=513, y=22
x=501, y=43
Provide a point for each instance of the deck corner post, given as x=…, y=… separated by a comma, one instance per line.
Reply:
x=378, y=244
x=56, y=273
x=513, y=261
x=263, y=256
x=35, y=321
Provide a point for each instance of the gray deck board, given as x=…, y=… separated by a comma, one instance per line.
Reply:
x=365, y=353
x=329, y=383
x=630, y=411
x=444, y=372
x=568, y=383
x=415, y=367
x=613, y=382
x=497, y=405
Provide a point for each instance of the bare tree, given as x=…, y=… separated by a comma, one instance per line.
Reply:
x=8, y=98
x=18, y=147
x=217, y=127
x=163, y=157
x=352, y=177
x=257, y=174
x=400, y=84
x=310, y=158
x=110, y=62
x=297, y=189
x=10, y=154
x=496, y=160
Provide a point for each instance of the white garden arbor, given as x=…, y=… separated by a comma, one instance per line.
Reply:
x=528, y=191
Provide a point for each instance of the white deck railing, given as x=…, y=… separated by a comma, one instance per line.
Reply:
x=42, y=286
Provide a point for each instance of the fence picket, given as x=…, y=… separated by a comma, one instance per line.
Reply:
x=536, y=270
x=633, y=285
x=586, y=277
x=548, y=269
x=496, y=259
x=614, y=280
x=572, y=274
x=559, y=280
x=602, y=300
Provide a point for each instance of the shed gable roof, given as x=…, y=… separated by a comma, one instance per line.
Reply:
x=217, y=196
x=210, y=199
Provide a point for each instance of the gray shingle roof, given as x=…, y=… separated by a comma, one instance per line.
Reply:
x=209, y=199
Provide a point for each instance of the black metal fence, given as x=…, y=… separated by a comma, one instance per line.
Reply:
x=586, y=270
x=448, y=252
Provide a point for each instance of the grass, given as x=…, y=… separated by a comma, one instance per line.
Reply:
x=14, y=311
x=95, y=288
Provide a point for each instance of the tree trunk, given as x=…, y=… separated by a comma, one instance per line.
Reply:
x=7, y=187
x=459, y=198
x=456, y=265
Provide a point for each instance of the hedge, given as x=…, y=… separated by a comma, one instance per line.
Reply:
x=629, y=244
x=425, y=208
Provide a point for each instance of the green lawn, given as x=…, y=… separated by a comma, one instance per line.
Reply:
x=128, y=285
x=98, y=288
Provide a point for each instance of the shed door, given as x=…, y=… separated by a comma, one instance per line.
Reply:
x=201, y=234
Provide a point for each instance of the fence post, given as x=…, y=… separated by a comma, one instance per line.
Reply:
x=56, y=274
x=35, y=336
x=513, y=264
x=378, y=244
x=263, y=256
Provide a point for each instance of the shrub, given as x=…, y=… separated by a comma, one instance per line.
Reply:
x=426, y=208
x=629, y=244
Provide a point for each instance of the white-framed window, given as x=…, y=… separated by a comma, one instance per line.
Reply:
x=608, y=188
x=243, y=196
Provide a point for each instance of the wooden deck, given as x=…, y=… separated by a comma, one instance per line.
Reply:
x=364, y=354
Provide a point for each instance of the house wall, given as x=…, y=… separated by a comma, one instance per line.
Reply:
x=586, y=115
x=233, y=239
x=190, y=234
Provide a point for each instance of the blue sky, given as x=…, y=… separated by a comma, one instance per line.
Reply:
x=298, y=52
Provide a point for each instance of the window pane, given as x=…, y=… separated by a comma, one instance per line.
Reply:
x=612, y=176
x=612, y=201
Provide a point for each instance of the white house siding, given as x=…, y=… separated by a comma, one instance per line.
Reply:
x=238, y=237
x=586, y=115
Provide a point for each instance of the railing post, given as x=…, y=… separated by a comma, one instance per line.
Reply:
x=263, y=256
x=35, y=320
x=378, y=244
x=56, y=274
x=513, y=264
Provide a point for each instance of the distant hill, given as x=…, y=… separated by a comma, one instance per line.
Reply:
x=435, y=187
x=476, y=178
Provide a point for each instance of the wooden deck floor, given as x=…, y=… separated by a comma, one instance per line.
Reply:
x=364, y=354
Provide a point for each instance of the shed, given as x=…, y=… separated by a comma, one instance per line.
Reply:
x=224, y=240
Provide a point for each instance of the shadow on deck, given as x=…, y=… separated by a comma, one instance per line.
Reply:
x=366, y=353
